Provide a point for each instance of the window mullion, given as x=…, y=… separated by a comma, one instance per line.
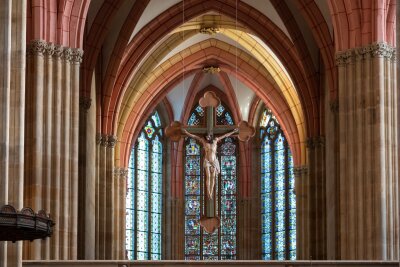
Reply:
x=135, y=182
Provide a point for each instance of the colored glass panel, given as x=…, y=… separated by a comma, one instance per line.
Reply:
x=278, y=202
x=200, y=245
x=144, y=194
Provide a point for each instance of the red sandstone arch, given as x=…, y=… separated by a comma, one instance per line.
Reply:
x=303, y=78
x=247, y=75
x=359, y=23
x=61, y=22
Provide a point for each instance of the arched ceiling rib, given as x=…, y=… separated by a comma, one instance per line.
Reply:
x=262, y=38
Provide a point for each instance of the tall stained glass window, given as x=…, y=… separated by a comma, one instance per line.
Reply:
x=199, y=245
x=144, y=196
x=278, y=202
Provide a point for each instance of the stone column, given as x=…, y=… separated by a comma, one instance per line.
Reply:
x=368, y=178
x=398, y=109
x=120, y=177
x=105, y=198
x=302, y=212
x=51, y=145
x=12, y=113
x=316, y=192
x=332, y=174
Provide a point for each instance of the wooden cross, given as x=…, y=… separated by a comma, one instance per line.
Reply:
x=210, y=222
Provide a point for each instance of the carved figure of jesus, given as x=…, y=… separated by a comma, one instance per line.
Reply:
x=211, y=162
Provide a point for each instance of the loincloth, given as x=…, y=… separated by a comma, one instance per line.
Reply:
x=214, y=164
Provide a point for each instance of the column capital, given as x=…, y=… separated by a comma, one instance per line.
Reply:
x=85, y=103
x=334, y=106
x=41, y=47
x=120, y=172
x=378, y=49
x=316, y=142
x=111, y=141
x=36, y=47
x=300, y=170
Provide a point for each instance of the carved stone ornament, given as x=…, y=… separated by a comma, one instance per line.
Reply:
x=379, y=49
x=211, y=69
x=121, y=172
x=85, y=103
x=111, y=141
x=209, y=30
x=41, y=47
x=300, y=171
x=102, y=139
x=36, y=47
x=315, y=142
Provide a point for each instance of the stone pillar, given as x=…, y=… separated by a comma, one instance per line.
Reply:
x=120, y=178
x=87, y=180
x=302, y=212
x=398, y=109
x=51, y=145
x=316, y=198
x=368, y=178
x=12, y=114
x=105, y=198
x=332, y=174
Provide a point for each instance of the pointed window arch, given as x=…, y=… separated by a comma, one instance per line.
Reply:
x=278, y=202
x=144, y=195
x=200, y=245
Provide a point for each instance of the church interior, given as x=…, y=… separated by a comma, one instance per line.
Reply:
x=109, y=108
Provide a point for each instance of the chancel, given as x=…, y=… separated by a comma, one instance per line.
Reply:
x=199, y=132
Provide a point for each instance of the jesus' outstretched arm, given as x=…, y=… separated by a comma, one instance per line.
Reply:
x=193, y=136
x=227, y=135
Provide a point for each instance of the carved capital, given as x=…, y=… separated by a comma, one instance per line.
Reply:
x=379, y=49
x=101, y=139
x=111, y=141
x=67, y=54
x=77, y=55
x=316, y=142
x=85, y=103
x=334, y=106
x=36, y=48
x=300, y=171
x=121, y=172
x=41, y=47
x=343, y=57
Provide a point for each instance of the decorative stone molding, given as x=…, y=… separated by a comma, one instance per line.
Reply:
x=334, y=106
x=106, y=140
x=315, y=142
x=85, y=103
x=300, y=171
x=209, y=30
x=77, y=55
x=121, y=172
x=211, y=69
x=101, y=139
x=36, y=47
x=111, y=141
x=41, y=48
x=379, y=49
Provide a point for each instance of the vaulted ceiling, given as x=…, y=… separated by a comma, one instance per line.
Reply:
x=153, y=51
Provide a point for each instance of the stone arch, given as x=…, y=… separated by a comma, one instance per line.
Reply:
x=263, y=27
x=160, y=87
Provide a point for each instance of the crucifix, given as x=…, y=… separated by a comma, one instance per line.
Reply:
x=210, y=221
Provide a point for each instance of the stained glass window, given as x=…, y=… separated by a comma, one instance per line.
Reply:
x=199, y=245
x=144, y=195
x=278, y=202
